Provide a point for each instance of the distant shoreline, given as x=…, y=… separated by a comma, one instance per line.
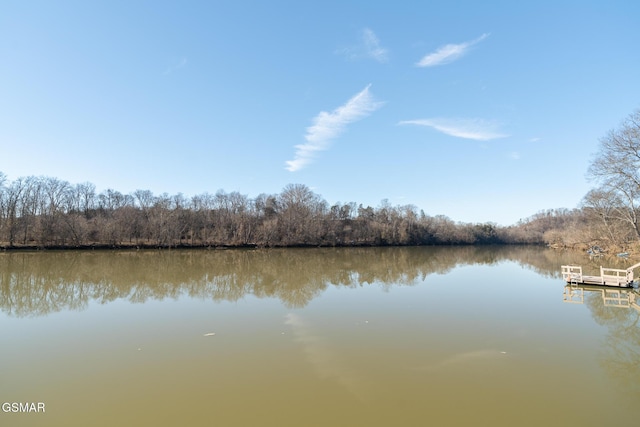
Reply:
x=44, y=213
x=125, y=247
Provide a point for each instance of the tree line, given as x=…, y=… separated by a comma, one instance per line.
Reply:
x=48, y=212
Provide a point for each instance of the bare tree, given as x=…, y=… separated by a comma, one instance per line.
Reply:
x=301, y=211
x=13, y=194
x=606, y=213
x=86, y=198
x=617, y=169
x=3, y=202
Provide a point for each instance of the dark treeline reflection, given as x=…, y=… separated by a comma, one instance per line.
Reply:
x=37, y=283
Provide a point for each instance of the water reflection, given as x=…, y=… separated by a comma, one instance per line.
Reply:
x=356, y=355
x=326, y=360
x=465, y=359
x=609, y=297
x=618, y=310
x=35, y=284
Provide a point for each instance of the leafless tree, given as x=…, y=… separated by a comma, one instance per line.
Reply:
x=616, y=168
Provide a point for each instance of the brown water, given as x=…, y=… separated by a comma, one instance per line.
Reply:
x=312, y=337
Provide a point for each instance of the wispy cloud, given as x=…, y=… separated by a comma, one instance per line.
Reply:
x=449, y=53
x=176, y=65
x=515, y=155
x=372, y=46
x=477, y=129
x=327, y=126
x=368, y=48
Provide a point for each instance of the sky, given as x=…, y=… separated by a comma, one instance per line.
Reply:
x=481, y=111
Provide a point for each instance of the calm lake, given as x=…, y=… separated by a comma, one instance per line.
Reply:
x=463, y=336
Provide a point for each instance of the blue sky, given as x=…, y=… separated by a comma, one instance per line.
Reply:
x=481, y=111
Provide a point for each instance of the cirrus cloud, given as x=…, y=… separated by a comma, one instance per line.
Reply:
x=477, y=129
x=327, y=126
x=449, y=53
x=369, y=48
x=176, y=65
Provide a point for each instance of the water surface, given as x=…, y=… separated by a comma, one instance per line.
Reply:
x=314, y=337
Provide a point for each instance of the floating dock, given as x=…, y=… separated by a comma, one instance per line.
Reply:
x=572, y=274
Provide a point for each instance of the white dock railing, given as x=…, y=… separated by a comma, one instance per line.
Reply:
x=616, y=276
x=608, y=276
x=572, y=273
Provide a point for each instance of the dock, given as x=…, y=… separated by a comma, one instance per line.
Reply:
x=622, y=278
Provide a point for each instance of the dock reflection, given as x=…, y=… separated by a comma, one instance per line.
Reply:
x=611, y=297
x=617, y=310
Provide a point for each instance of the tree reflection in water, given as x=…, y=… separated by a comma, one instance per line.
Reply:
x=38, y=283
x=620, y=355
